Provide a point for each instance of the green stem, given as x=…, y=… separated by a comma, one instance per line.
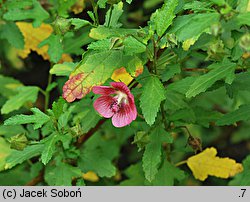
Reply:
x=47, y=93
x=95, y=9
x=181, y=163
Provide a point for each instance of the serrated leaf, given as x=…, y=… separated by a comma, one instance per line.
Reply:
x=95, y=69
x=241, y=114
x=207, y=163
x=193, y=25
x=152, y=154
x=102, y=32
x=36, y=13
x=174, y=100
x=167, y=174
x=63, y=69
x=55, y=50
x=113, y=15
x=49, y=148
x=170, y=71
x=182, y=85
x=133, y=46
x=94, y=160
x=11, y=32
x=224, y=70
x=38, y=119
x=153, y=94
x=163, y=17
x=17, y=157
x=61, y=175
x=24, y=94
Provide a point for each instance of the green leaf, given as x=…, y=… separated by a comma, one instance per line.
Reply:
x=79, y=23
x=58, y=107
x=94, y=160
x=182, y=85
x=102, y=32
x=49, y=148
x=61, y=175
x=36, y=13
x=135, y=175
x=24, y=94
x=113, y=15
x=167, y=175
x=101, y=45
x=38, y=119
x=12, y=33
x=164, y=16
x=153, y=94
x=170, y=71
x=63, y=69
x=17, y=157
x=153, y=151
x=242, y=179
x=174, y=100
x=4, y=152
x=205, y=117
x=73, y=44
x=224, y=70
x=193, y=25
x=102, y=3
x=241, y=114
x=133, y=46
x=55, y=47
x=8, y=86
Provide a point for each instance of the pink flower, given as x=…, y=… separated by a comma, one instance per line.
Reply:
x=116, y=102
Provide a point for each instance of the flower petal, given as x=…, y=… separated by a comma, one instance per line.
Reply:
x=123, y=88
x=102, y=106
x=125, y=116
x=103, y=90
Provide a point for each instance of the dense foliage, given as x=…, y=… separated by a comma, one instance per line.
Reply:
x=185, y=62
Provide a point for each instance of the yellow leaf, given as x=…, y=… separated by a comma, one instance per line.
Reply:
x=33, y=37
x=90, y=176
x=206, y=163
x=122, y=75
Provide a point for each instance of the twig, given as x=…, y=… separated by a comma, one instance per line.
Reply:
x=83, y=138
x=36, y=180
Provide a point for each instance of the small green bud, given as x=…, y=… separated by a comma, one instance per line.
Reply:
x=245, y=42
x=18, y=142
x=61, y=25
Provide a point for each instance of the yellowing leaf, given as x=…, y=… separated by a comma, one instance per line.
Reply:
x=78, y=6
x=122, y=75
x=206, y=163
x=33, y=37
x=188, y=42
x=91, y=176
